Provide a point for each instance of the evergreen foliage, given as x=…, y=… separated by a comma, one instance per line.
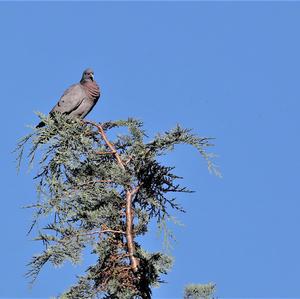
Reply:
x=199, y=291
x=101, y=193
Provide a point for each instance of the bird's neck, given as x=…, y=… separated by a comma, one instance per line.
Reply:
x=83, y=81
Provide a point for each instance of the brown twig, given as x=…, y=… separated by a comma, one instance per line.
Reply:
x=129, y=225
x=129, y=233
x=105, y=153
x=109, y=144
x=129, y=195
x=128, y=160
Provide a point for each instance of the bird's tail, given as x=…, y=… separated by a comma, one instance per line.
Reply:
x=40, y=125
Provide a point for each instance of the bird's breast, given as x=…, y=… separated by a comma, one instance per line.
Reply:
x=92, y=90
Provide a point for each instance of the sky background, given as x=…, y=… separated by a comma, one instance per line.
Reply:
x=229, y=70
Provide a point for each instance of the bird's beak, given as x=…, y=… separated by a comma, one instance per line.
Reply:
x=92, y=77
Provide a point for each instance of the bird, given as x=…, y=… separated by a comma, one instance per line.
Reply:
x=79, y=99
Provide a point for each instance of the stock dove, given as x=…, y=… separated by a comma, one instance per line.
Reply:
x=79, y=99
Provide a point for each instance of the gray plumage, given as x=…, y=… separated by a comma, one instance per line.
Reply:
x=79, y=99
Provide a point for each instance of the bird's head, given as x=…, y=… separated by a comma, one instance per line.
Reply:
x=87, y=75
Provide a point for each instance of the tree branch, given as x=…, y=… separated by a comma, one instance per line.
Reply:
x=129, y=233
x=129, y=195
x=113, y=150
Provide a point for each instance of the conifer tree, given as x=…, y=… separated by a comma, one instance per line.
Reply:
x=101, y=189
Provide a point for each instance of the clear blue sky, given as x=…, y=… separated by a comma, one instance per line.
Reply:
x=227, y=70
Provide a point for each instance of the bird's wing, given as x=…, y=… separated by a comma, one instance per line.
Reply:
x=70, y=100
